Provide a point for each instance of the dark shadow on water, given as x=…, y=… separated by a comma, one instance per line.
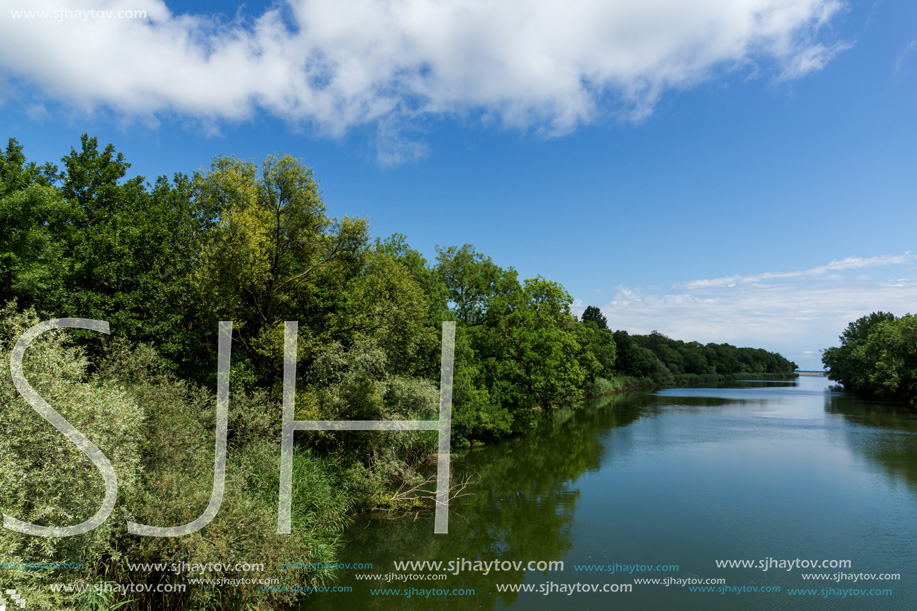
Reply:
x=884, y=433
x=526, y=504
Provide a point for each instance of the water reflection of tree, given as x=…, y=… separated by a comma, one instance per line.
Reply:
x=522, y=510
x=886, y=435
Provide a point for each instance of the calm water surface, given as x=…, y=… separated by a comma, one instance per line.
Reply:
x=685, y=477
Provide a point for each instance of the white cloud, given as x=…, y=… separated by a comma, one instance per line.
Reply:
x=530, y=64
x=833, y=266
x=904, y=54
x=797, y=313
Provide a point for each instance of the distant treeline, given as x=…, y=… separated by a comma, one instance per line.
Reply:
x=656, y=360
x=877, y=357
x=163, y=263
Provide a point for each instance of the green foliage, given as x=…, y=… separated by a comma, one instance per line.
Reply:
x=31, y=213
x=666, y=361
x=178, y=438
x=594, y=315
x=617, y=384
x=849, y=363
x=102, y=247
x=877, y=357
x=46, y=479
x=427, y=278
x=513, y=346
x=385, y=302
x=598, y=351
x=30, y=254
x=17, y=175
x=477, y=288
x=158, y=433
x=273, y=255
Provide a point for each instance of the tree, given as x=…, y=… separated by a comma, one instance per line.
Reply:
x=31, y=255
x=891, y=348
x=274, y=254
x=848, y=363
x=17, y=175
x=877, y=357
x=131, y=250
x=593, y=314
x=100, y=246
x=525, y=353
x=31, y=210
x=477, y=288
x=516, y=345
x=598, y=352
x=386, y=304
x=860, y=329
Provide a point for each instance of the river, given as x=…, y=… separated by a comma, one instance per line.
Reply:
x=788, y=471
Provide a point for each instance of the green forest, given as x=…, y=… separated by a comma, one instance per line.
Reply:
x=164, y=262
x=877, y=357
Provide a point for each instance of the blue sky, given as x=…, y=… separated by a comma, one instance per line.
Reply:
x=717, y=170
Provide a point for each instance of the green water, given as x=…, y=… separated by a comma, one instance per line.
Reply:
x=680, y=477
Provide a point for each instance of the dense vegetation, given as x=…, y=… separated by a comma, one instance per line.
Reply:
x=163, y=263
x=656, y=360
x=660, y=360
x=877, y=357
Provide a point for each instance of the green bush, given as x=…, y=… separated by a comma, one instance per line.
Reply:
x=45, y=478
x=158, y=433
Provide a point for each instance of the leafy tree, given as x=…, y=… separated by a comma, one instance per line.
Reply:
x=434, y=295
x=476, y=287
x=31, y=212
x=274, y=255
x=861, y=328
x=849, y=363
x=16, y=174
x=877, y=357
x=428, y=278
x=524, y=355
x=598, y=353
x=892, y=347
x=516, y=343
x=99, y=246
x=668, y=361
x=31, y=265
x=593, y=314
x=386, y=303
x=543, y=342
x=694, y=358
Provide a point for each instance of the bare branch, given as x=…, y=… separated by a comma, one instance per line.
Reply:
x=420, y=494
